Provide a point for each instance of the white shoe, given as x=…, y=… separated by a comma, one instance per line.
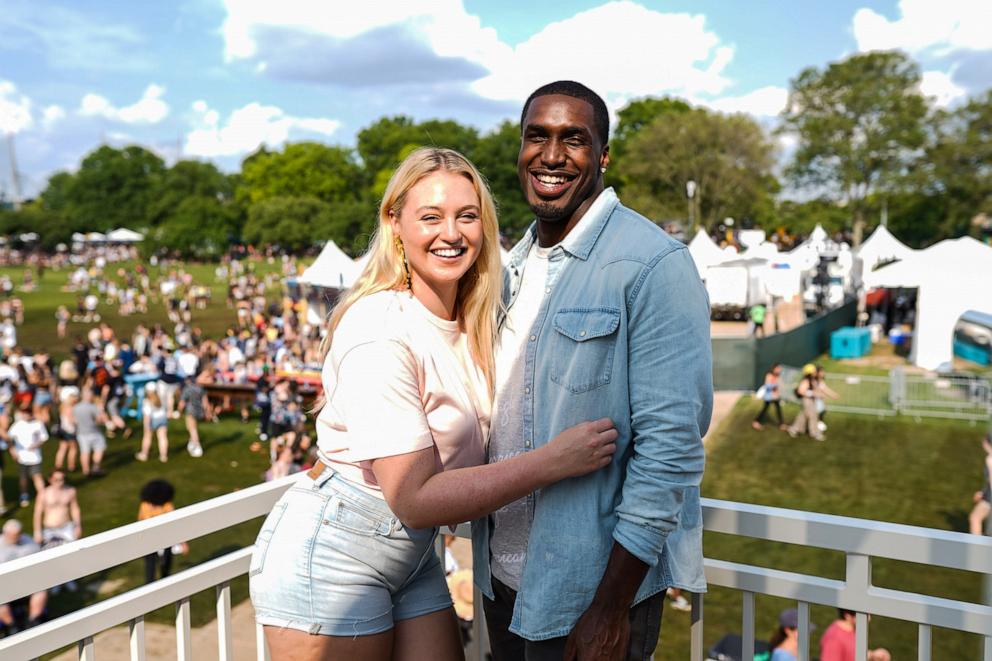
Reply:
x=822, y=426
x=194, y=450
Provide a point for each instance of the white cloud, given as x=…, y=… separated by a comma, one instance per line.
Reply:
x=648, y=52
x=51, y=115
x=246, y=129
x=621, y=49
x=922, y=25
x=764, y=102
x=149, y=109
x=941, y=87
x=15, y=109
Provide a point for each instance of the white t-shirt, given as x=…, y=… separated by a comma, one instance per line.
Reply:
x=28, y=436
x=511, y=522
x=399, y=379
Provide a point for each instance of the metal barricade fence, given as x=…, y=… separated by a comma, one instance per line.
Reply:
x=963, y=397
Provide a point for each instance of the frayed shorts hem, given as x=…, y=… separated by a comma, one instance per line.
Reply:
x=348, y=628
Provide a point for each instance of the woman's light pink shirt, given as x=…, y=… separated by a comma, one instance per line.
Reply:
x=398, y=379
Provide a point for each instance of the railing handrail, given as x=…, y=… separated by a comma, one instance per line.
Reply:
x=878, y=539
x=95, y=553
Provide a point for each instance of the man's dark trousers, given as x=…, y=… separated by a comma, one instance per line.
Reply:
x=645, y=626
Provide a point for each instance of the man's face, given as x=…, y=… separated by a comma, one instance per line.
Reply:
x=560, y=156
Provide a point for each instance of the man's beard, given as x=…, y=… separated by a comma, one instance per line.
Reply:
x=549, y=211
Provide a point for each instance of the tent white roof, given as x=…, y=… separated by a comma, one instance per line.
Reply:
x=95, y=237
x=124, y=235
x=705, y=253
x=882, y=246
x=763, y=250
x=945, y=275
x=332, y=269
x=78, y=237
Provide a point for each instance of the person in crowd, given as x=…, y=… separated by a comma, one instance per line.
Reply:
x=156, y=499
x=14, y=544
x=606, y=315
x=982, y=497
x=155, y=422
x=263, y=402
x=89, y=419
x=194, y=403
x=771, y=395
x=756, y=319
x=62, y=317
x=784, y=642
x=408, y=381
x=57, y=517
x=3, y=450
x=823, y=391
x=68, y=450
x=28, y=436
x=838, y=641
x=808, y=420
x=114, y=396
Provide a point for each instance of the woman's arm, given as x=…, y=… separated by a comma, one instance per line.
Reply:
x=421, y=497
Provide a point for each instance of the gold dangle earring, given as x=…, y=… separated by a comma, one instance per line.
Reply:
x=406, y=265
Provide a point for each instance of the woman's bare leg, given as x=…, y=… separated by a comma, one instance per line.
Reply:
x=977, y=517
x=433, y=636
x=292, y=645
x=163, y=443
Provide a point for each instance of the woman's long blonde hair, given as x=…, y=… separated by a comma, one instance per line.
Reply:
x=479, y=290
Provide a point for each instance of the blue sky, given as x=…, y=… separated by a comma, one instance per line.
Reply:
x=214, y=79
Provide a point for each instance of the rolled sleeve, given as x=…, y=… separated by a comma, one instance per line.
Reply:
x=378, y=392
x=671, y=399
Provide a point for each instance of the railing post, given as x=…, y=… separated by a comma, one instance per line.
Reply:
x=225, y=642
x=923, y=643
x=478, y=647
x=861, y=637
x=136, y=635
x=86, y=649
x=261, y=649
x=184, y=646
x=747, y=627
x=696, y=628
x=803, y=631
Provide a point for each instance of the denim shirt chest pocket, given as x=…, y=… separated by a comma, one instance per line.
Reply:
x=583, y=346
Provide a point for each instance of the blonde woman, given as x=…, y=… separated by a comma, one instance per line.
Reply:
x=155, y=418
x=344, y=565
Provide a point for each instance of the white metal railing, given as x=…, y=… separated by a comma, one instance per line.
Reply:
x=860, y=540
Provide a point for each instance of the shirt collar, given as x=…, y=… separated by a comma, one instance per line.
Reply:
x=583, y=236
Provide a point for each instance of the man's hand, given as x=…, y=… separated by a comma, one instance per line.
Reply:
x=601, y=634
x=603, y=631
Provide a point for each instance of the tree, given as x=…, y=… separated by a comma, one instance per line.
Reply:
x=188, y=179
x=385, y=143
x=113, y=188
x=858, y=124
x=729, y=158
x=292, y=223
x=638, y=114
x=200, y=226
x=496, y=158
x=302, y=169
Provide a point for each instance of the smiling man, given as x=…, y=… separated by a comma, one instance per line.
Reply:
x=606, y=317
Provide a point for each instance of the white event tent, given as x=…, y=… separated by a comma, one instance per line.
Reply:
x=332, y=269
x=705, y=253
x=124, y=235
x=882, y=247
x=951, y=278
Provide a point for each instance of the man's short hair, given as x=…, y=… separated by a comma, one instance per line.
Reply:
x=12, y=526
x=601, y=117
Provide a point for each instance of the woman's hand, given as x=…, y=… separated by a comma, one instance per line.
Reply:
x=581, y=449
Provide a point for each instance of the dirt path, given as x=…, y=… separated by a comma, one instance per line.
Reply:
x=723, y=402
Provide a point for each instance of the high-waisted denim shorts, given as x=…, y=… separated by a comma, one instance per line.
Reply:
x=334, y=560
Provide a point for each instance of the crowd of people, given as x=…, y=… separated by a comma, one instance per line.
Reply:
x=67, y=410
x=811, y=392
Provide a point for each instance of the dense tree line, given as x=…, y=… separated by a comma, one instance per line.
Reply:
x=865, y=138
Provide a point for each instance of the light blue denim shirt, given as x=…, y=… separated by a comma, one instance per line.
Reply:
x=623, y=333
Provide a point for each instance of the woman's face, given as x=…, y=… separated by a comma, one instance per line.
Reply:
x=440, y=226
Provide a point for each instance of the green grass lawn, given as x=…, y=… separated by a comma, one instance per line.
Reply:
x=896, y=469
x=38, y=332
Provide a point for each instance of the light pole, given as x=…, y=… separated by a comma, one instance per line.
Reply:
x=690, y=192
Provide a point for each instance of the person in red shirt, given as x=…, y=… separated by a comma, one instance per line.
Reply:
x=838, y=641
